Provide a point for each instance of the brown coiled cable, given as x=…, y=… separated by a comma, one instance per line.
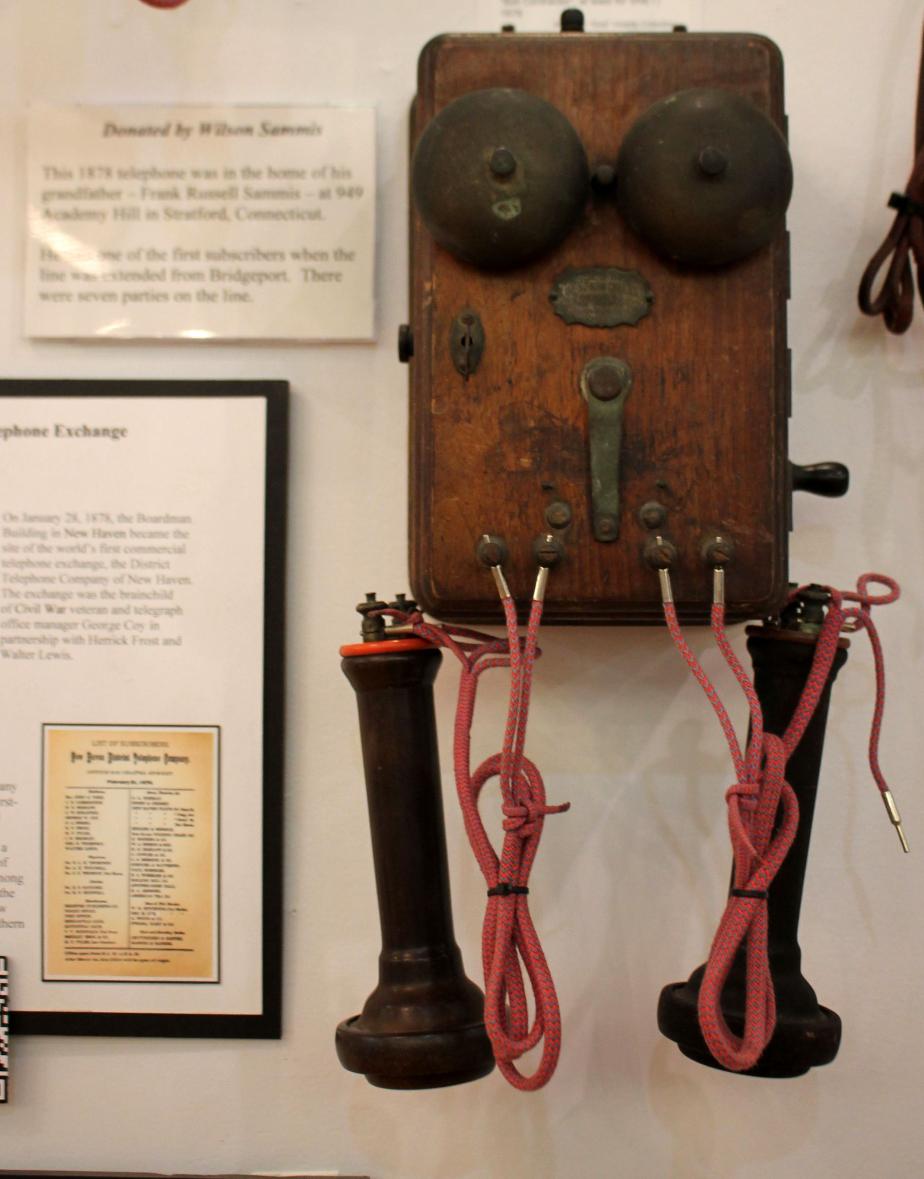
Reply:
x=894, y=300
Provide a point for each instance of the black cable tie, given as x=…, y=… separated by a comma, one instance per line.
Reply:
x=505, y=890
x=754, y=894
x=902, y=203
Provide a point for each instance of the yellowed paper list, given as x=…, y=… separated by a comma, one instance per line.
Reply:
x=130, y=872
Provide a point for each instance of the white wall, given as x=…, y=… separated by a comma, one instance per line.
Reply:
x=629, y=885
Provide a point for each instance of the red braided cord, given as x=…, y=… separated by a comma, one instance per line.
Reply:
x=753, y=802
x=862, y=618
x=758, y=855
x=673, y=625
x=755, y=744
x=509, y=938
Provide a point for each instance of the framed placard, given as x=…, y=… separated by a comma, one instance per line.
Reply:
x=142, y=541
x=201, y=222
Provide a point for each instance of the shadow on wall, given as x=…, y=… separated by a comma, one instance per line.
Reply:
x=489, y=1138
x=719, y=1125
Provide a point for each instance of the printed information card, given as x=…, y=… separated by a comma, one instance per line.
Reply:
x=130, y=853
x=134, y=610
x=201, y=222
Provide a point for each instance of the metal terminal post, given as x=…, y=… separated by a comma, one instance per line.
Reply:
x=719, y=552
x=406, y=606
x=806, y=612
x=660, y=554
x=492, y=552
x=895, y=818
x=548, y=551
x=373, y=624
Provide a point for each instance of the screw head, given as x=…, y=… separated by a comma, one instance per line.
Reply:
x=652, y=514
x=503, y=162
x=558, y=514
x=718, y=551
x=660, y=553
x=606, y=526
x=604, y=175
x=548, y=550
x=491, y=551
x=606, y=377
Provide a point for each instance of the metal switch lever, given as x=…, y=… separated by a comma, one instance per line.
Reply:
x=605, y=385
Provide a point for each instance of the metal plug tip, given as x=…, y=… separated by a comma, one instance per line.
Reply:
x=895, y=818
x=667, y=596
x=542, y=580
x=718, y=586
x=500, y=581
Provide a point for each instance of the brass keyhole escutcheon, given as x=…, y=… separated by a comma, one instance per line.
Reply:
x=466, y=342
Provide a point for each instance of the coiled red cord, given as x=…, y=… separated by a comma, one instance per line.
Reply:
x=509, y=939
x=760, y=842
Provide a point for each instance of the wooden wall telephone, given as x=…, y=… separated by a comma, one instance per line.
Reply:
x=597, y=337
x=600, y=385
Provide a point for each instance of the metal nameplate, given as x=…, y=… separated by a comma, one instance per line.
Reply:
x=601, y=296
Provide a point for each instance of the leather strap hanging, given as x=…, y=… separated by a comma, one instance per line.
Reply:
x=894, y=300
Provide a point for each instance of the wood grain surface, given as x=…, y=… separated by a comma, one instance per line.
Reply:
x=704, y=430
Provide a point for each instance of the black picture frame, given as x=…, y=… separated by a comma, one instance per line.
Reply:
x=267, y=1023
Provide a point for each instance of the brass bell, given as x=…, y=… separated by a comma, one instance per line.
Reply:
x=704, y=177
x=499, y=177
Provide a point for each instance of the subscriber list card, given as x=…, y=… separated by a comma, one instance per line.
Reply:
x=201, y=222
x=131, y=866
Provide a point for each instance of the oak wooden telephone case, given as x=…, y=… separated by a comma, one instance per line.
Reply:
x=598, y=347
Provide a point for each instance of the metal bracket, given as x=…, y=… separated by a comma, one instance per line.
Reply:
x=605, y=384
